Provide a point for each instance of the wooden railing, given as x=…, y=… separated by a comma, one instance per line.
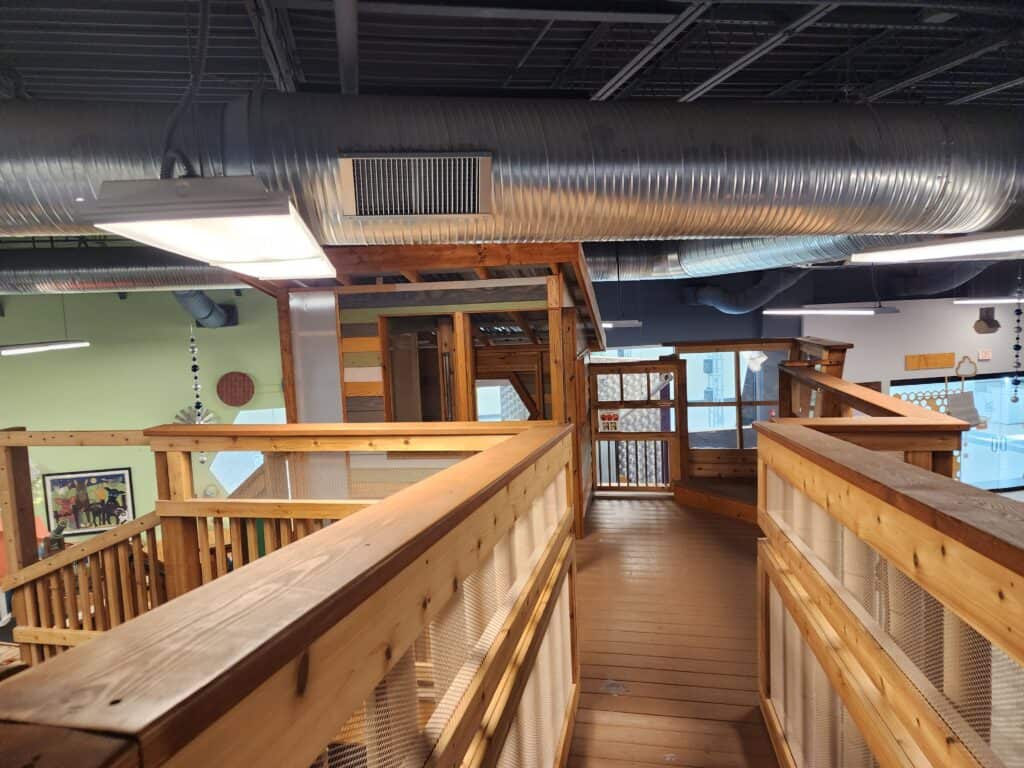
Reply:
x=345, y=639
x=891, y=609
x=826, y=403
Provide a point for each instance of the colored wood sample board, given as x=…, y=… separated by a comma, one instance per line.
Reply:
x=929, y=361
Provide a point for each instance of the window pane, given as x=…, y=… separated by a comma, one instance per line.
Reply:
x=497, y=400
x=759, y=374
x=752, y=413
x=636, y=420
x=609, y=387
x=634, y=386
x=710, y=377
x=712, y=426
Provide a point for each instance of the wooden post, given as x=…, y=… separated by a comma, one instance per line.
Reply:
x=558, y=355
x=284, y=330
x=785, y=394
x=465, y=368
x=180, y=534
x=16, y=506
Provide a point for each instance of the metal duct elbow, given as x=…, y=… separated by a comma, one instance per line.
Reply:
x=744, y=301
x=204, y=310
x=558, y=170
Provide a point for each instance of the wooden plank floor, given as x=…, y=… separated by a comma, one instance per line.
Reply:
x=666, y=600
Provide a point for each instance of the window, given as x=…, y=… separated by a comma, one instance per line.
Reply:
x=497, y=400
x=992, y=456
x=232, y=468
x=727, y=391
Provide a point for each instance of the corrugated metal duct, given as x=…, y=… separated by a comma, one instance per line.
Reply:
x=560, y=170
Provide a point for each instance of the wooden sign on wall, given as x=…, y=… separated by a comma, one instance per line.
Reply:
x=929, y=361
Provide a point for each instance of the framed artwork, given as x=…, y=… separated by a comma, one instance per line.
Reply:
x=89, y=502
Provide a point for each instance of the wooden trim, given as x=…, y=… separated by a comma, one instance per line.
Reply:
x=966, y=567
x=91, y=438
x=464, y=366
x=695, y=498
x=292, y=509
x=888, y=740
x=384, y=259
x=906, y=689
x=728, y=345
x=318, y=431
x=888, y=433
x=16, y=508
x=54, y=636
x=77, y=552
x=371, y=582
x=361, y=344
x=776, y=734
x=396, y=442
x=582, y=274
x=284, y=332
x=568, y=726
x=339, y=331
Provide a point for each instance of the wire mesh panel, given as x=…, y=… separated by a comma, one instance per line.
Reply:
x=417, y=701
x=976, y=688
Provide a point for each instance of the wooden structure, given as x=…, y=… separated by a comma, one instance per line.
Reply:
x=521, y=314
x=326, y=638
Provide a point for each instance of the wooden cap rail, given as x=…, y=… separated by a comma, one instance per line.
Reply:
x=253, y=668
x=92, y=438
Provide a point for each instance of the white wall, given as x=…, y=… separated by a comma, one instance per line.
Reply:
x=928, y=325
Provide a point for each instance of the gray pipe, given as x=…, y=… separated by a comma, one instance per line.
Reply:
x=743, y=301
x=561, y=170
x=203, y=309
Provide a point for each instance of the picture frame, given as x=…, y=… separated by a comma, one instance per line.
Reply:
x=90, y=501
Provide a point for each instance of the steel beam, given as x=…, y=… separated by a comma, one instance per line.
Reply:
x=597, y=34
x=346, y=32
x=668, y=33
x=970, y=50
x=793, y=28
x=526, y=54
x=831, y=64
x=275, y=43
x=1004, y=86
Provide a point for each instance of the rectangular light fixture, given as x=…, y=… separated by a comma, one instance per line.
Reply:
x=835, y=312
x=41, y=346
x=622, y=323
x=966, y=247
x=231, y=222
x=988, y=302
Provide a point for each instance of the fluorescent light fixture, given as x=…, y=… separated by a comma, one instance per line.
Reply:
x=834, y=311
x=622, y=323
x=231, y=222
x=952, y=248
x=41, y=346
x=988, y=302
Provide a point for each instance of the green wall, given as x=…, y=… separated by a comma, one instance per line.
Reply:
x=134, y=375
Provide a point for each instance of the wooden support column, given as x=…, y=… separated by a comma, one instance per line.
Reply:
x=558, y=356
x=465, y=368
x=180, y=534
x=16, y=506
x=284, y=331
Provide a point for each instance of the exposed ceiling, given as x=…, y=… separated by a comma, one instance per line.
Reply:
x=845, y=51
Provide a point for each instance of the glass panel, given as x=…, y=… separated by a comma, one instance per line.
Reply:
x=759, y=374
x=712, y=426
x=752, y=413
x=710, y=377
x=497, y=400
x=992, y=456
x=636, y=420
x=609, y=387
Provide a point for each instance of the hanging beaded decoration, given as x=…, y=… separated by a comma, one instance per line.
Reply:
x=196, y=386
x=1017, y=317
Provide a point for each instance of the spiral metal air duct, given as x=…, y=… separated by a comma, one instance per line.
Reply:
x=560, y=170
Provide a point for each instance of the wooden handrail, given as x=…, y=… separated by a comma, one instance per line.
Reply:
x=90, y=438
x=311, y=627
x=304, y=509
x=75, y=552
x=862, y=398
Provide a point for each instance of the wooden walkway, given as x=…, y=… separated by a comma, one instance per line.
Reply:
x=666, y=600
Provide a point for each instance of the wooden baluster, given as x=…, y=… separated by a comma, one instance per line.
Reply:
x=99, y=603
x=150, y=567
x=220, y=548
x=251, y=540
x=84, y=593
x=56, y=592
x=138, y=575
x=45, y=612
x=67, y=578
x=284, y=528
x=203, y=542
x=34, y=654
x=270, y=535
x=112, y=591
x=237, y=543
x=126, y=593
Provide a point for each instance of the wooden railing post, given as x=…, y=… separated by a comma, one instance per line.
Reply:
x=16, y=506
x=180, y=534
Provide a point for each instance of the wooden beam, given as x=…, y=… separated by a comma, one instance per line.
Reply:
x=89, y=438
x=482, y=272
x=284, y=333
x=411, y=275
x=582, y=275
x=267, y=509
x=464, y=366
x=524, y=394
x=384, y=259
x=18, y=515
x=54, y=636
x=521, y=320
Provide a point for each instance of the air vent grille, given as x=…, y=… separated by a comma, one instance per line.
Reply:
x=416, y=185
